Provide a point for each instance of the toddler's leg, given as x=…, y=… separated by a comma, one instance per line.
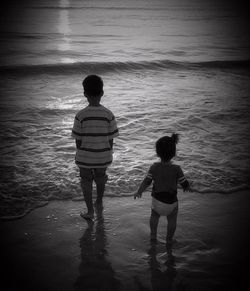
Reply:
x=154, y=219
x=100, y=179
x=172, y=220
x=87, y=185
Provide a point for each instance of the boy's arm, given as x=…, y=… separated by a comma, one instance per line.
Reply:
x=78, y=143
x=113, y=130
x=76, y=132
x=111, y=142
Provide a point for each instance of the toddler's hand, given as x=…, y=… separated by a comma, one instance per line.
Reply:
x=188, y=189
x=137, y=195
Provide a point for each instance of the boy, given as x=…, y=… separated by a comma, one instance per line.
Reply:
x=94, y=130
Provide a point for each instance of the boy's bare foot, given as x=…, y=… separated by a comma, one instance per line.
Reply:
x=87, y=216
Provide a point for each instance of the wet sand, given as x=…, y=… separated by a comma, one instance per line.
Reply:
x=53, y=248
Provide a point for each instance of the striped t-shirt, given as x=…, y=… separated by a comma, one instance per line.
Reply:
x=94, y=126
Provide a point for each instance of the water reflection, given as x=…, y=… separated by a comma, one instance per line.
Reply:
x=162, y=278
x=96, y=272
x=64, y=29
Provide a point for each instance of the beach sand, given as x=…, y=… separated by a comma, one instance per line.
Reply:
x=53, y=248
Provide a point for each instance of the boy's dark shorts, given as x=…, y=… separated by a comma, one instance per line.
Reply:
x=97, y=174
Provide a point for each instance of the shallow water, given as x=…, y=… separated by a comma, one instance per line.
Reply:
x=210, y=252
x=207, y=109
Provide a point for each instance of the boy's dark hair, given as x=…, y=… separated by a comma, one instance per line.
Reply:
x=93, y=86
x=166, y=147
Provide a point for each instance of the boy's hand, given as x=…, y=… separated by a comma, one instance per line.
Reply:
x=137, y=195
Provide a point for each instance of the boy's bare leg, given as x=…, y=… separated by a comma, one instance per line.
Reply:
x=100, y=179
x=87, y=194
x=100, y=188
x=154, y=220
x=172, y=221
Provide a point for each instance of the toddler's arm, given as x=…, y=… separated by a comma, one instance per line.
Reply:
x=144, y=185
x=183, y=181
x=185, y=184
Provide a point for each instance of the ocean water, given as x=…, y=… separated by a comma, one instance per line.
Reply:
x=168, y=66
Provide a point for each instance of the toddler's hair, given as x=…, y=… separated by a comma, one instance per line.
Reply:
x=166, y=147
x=93, y=86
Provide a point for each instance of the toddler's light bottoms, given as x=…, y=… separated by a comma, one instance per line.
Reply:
x=163, y=209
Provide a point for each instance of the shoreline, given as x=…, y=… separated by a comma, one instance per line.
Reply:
x=53, y=248
x=42, y=203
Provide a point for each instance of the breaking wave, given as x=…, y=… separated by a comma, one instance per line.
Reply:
x=85, y=67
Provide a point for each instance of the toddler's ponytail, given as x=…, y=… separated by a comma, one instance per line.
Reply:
x=175, y=137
